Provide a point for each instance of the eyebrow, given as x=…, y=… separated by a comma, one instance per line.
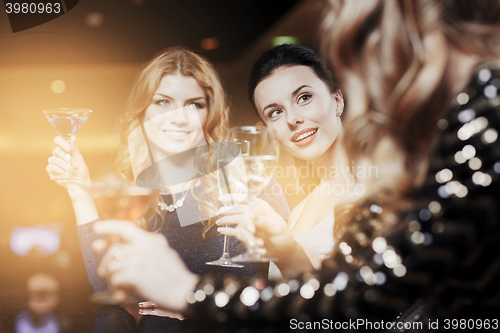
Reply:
x=195, y=99
x=189, y=100
x=295, y=92
x=162, y=95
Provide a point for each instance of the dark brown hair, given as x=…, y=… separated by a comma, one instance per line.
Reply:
x=287, y=55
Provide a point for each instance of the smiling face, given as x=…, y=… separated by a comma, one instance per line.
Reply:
x=175, y=118
x=300, y=111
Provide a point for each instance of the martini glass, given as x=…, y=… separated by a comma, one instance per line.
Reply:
x=231, y=183
x=67, y=121
x=120, y=200
x=260, y=162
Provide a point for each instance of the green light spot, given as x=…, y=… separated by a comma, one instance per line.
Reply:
x=279, y=40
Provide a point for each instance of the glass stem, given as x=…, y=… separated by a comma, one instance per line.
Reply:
x=225, y=252
x=67, y=166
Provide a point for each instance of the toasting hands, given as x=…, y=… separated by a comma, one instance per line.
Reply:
x=258, y=224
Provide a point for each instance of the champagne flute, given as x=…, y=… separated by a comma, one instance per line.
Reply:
x=260, y=162
x=119, y=200
x=66, y=122
x=231, y=184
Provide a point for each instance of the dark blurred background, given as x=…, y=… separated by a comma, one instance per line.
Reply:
x=89, y=58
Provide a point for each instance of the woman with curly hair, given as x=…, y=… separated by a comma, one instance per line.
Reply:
x=179, y=103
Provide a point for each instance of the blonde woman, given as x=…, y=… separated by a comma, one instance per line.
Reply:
x=179, y=100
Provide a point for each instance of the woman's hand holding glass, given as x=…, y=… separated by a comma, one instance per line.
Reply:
x=258, y=224
x=144, y=264
x=59, y=163
x=151, y=309
x=83, y=204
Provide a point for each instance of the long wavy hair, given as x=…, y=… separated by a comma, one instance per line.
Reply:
x=392, y=58
x=171, y=61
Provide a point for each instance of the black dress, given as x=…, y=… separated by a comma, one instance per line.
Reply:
x=440, y=262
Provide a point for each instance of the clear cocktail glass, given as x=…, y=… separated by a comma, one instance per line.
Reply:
x=67, y=121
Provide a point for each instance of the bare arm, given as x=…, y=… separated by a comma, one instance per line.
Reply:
x=83, y=204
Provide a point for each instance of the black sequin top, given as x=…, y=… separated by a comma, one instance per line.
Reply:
x=441, y=261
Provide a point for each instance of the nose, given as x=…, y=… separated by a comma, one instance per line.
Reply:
x=293, y=119
x=178, y=117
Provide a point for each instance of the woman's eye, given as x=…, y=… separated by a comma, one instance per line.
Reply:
x=195, y=105
x=304, y=98
x=162, y=102
x=274, y=113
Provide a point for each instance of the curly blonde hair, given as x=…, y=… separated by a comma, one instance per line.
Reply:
x=393, y=60
x=174, y=60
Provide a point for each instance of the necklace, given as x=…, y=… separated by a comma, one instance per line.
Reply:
x=179, y=203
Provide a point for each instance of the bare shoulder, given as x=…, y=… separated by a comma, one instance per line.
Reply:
x=294, y=215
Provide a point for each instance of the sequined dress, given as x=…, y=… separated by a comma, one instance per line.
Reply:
x=441, y=261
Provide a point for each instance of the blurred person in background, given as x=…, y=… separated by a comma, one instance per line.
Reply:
x=43, y=299
x=422, y=79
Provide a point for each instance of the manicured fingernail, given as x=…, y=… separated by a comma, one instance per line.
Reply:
x=219, y=229
x=217, y=222
x=141, y=304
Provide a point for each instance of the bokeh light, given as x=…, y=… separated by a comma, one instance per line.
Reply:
x=279, y=40
x=58, y=86
x=94, y=19
x=209, y=44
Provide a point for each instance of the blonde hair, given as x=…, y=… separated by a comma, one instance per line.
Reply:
x=392, y=58
x=169, y=62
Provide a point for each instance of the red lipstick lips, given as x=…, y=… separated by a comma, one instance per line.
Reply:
x=304, y=137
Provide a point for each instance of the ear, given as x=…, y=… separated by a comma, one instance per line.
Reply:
x=339, y=99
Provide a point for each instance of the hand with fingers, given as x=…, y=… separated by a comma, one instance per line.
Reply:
x=151, y=309
x=67, y=157
x=144, y=263
x=83, y=203
x=258, y=224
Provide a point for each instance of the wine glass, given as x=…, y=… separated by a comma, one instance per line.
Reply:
x=119, y=200
x=67, y=121
x=231, y=184
x=260, y=162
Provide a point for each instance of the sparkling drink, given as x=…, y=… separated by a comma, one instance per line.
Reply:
x=125, y=203
x=259, y=171
x=120, y=200
x=260, y=159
